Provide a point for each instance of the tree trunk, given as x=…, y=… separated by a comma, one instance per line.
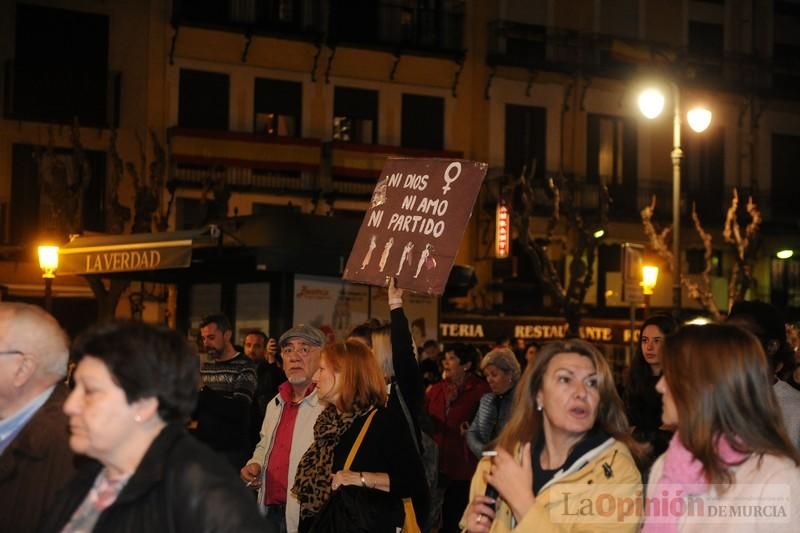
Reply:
x=107, y=298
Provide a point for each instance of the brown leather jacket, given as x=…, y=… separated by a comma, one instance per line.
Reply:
x=35, y=466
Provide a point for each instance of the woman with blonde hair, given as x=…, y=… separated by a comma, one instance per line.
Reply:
x=730, y=449
x=567, y=442
x=361, y=448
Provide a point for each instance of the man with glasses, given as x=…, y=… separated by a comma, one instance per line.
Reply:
x=35, y=457
x=288, y=428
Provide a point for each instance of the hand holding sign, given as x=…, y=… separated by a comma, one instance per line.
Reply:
x=416, y=230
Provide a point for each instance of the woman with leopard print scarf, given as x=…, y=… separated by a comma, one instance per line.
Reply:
x=351, y=382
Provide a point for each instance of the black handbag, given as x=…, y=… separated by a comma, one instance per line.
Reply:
x=354, y=509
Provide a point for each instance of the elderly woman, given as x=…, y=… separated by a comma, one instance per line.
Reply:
x=135, y=387
x=730, y=449
x=358, y=443
x=501, y=370
x=567, y=443
x=451, y=405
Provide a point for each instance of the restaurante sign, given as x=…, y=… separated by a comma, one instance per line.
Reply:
x=469, y=329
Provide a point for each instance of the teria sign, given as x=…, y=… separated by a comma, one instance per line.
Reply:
x=414, y=224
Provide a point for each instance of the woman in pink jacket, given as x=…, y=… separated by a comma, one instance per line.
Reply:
x=730, y=465
x=451, y=405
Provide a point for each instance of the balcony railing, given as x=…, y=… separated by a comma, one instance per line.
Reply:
x=387, y=25
x=300, y=19
x=55, y=93
x=248, y=161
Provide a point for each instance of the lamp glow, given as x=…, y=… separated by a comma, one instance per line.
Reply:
x=699, y=119
x=784, y=254
x=48, y=260
x=649, y=278
x=599, y=233
x=651, y=103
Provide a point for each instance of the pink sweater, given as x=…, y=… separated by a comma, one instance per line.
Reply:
x=765, y=496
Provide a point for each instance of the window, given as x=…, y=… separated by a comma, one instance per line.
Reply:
x=189, y=213
x=355, y=115
x=706, y=39
x=33, y=211
x=203, y=100
x=60, y=69
x=278, y=107
x=704, y=171
x=696, y=261
x=785, y=282
x=785, y=185
x=423, y=122
x=526, y=128
x=611, y=157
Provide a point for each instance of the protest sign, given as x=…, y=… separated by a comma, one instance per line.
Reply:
x=414, y=224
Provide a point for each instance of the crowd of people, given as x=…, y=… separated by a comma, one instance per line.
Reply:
x=372, y=434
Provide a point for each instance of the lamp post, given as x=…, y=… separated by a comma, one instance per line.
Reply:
x=48, y=262
x=649, y=279
x=651, y=103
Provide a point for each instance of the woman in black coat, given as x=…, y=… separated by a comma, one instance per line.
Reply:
x=135, y=385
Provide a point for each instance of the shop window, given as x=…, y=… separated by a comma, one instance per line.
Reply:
x=785, y=282
x=785, y=185
x=278, y=107
x=423, y=122
x=525, y=145
x=252, y=309
x=355, y=115
x=203, y=100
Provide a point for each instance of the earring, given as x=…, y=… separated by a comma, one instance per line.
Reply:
x=538, y=407
x=137, y=418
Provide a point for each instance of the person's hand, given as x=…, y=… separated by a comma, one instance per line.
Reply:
x=464, y=427
x=250, y=473
x=513, y=481
x=480, y=514
x=345, y=477
x=395, y=295
x=272, y=349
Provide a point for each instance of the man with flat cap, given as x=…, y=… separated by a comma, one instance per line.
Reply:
x=288, y=428
x=35, y=457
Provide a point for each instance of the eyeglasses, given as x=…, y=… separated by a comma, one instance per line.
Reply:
x=300, y=350
x=12, y=352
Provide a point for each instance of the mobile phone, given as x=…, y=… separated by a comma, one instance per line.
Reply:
x=491, y=492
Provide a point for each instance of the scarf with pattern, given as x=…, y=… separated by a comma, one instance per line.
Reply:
x=312, y=484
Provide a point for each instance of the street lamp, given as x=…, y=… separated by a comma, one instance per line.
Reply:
x=48, y=262
x=651, y=103
x=649, y=279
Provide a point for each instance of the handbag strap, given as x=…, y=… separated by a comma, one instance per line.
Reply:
x=357, y=443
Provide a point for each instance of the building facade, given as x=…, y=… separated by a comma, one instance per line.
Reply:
x=291, y=106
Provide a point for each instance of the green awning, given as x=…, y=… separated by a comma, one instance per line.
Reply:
x=106, y=254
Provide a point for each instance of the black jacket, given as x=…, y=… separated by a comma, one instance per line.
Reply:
x=180, y=486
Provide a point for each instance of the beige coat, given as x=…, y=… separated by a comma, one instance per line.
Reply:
x=569, y=502
x=758, y=484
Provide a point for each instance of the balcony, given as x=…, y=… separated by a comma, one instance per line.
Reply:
x=429, y=31
x=355, y=167
x=291, y=19
x=250, y=162
x=54, y=93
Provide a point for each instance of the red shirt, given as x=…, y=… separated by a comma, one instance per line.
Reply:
x=277, y=475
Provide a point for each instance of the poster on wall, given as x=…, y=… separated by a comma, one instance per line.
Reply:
x=336, y=307
x=414, y=224
x=332, y=305
x=421, y=310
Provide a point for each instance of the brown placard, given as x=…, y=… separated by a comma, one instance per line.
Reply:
x=414, y=224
